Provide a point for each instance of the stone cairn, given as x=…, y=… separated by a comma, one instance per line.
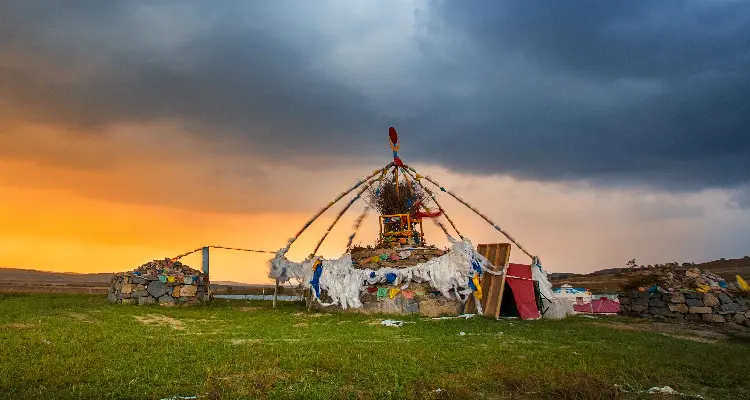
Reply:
x=688, y=295
x=165, y=282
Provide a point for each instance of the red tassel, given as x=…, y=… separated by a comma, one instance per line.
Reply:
x=393, y=135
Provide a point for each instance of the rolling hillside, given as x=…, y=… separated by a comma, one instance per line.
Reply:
x=609, y=280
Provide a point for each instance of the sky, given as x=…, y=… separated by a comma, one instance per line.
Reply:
x=594, y=132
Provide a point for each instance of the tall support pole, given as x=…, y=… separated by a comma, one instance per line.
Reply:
x=489, y=221
x=341, y=213
x=205, y=268
x=434, y=199
x=275, y=292
x=340, y=196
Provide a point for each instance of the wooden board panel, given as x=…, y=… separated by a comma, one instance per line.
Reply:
x=492, y=285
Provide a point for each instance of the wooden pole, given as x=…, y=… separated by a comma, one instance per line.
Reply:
x=275, y=292
x=205, y=267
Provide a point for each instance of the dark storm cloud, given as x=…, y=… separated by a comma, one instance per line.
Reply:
x=615, y=93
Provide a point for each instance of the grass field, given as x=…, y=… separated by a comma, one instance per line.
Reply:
x=79, y=346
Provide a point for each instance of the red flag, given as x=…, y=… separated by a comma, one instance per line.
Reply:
x=393, y=135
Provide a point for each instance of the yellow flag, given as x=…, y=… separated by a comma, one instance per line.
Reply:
x=742, y=284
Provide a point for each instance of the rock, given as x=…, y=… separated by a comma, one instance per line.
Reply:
x=747, y=314
x=663, y=312
x=741, y=301
x=625, y=310
x=741, y=308
x=140, y=293
x=677, y=298
x=138, y=280
x=176, y=292
x=166, y=299
x=680, y=308
x=694, y=273
x=638, y=308
x=730, y=308
x=655, y=303
x=700, y=310
x=692, y=317
x=693, y=302
x=188, y=291
x=739, y=319
x=713, y=318
x=625, y=301
x=157, y=289
x=146, y=300
x=112, y=297
x=128, y=301
x=710, y=300
x=725, y=299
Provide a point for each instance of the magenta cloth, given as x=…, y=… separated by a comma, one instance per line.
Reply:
x=602, y=305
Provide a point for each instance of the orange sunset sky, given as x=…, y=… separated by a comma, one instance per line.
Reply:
x=135, y=132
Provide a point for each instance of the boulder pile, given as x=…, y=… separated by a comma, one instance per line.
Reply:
x=165, y=282
x=687, y=294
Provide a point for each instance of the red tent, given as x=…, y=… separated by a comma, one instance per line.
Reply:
x=602, y=305
x=522, y=286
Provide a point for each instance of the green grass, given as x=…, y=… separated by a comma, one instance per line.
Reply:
x=79, y=346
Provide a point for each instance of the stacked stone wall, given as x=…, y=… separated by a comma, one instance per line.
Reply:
x=687, y=306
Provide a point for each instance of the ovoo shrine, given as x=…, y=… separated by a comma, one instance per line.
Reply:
x=401, y=272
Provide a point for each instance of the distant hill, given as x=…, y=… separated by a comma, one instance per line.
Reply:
x=30, y=275
x=610, y=279
x=33, y=281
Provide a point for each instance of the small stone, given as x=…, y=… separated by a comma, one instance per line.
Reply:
x=694, y=302
x=710, y=300
x=655, y=303
x=625, y=310
x=680, y=308
x=741, y=301
x=128, y=301
x=625, y=301
x=677, y=298
x=112, y=297
x=638, y=308
x=176, y=292
x=725, y=299
x=692, y=317
x=140, y=293
x=700, y=310
x=146, y=300
x=188, y=291
x=166, y=299
x=662, y=312
x=690, y=295
x=730, y=308
x=712, y=318
x=138, y=280
x=157, y=289
x=739, y=319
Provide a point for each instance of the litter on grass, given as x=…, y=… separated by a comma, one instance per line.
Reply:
x=464, y=316
x=391, y=322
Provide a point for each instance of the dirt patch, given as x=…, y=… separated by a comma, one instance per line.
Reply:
x=307, y=315
x=686, y=332
x=301, y=325
x=80, y=317
x=161, y=320
x=237, y=342
x=18, y=325
x=249, y=309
